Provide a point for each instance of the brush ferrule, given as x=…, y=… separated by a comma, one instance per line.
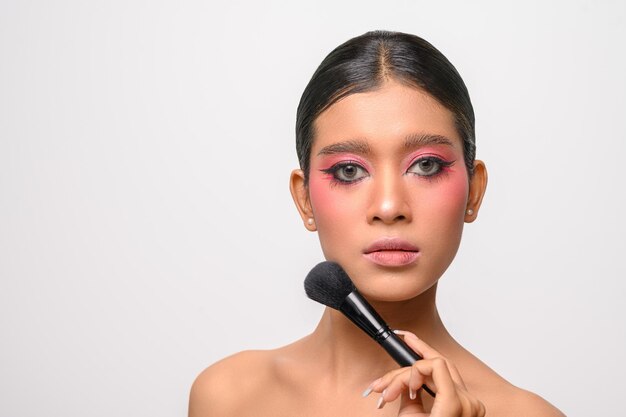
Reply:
x=359, y=311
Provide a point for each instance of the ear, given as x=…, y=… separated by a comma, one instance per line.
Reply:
x=478, y=185
x=300, y=195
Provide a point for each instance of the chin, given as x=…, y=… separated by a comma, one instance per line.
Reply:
x=394, y=290
x=390, y=284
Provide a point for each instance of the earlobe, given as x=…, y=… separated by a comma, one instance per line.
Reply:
x=478, y=186
x=300, y=195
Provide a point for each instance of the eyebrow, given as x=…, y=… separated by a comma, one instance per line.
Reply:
x=350, y=146
x=423, y=139
x=361, y=147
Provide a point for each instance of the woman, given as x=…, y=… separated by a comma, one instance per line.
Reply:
x=385, y=140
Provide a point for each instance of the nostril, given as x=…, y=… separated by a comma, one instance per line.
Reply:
x=384, y=219
x=389, y=209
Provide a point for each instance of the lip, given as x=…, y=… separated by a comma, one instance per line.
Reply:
x=392, y=252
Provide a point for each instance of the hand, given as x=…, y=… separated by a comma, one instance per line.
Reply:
x=439, y=374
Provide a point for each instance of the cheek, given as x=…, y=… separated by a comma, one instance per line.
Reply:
x=453, y=196
x=336, y=215
x=329, y=206
x=446, y=205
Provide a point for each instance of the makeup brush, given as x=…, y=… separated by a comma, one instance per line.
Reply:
x=328, y=284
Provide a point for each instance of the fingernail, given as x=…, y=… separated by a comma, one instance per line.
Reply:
x=381, y=403
x=412, y=393
x=381, y=400
x=405, y=333
x=370, y=388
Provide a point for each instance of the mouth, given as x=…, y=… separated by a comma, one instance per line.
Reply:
x=392, y=252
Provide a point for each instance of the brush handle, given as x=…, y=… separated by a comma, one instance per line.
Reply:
x=402, y=353
x=361, y=313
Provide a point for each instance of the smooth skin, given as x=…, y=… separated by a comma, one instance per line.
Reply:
x=374, y=175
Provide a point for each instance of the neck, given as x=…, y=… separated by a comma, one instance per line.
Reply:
x=349, y=351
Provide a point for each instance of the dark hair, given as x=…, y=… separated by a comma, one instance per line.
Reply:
x=364, y=63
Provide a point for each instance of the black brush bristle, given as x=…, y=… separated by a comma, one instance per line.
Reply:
x=328, y=283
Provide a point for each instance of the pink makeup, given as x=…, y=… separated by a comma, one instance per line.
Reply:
x=391, y=252
x=329, y=161
x=441, y=156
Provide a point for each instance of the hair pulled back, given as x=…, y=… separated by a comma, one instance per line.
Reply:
x=364, y=63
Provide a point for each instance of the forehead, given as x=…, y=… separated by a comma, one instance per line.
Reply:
x=384, y=118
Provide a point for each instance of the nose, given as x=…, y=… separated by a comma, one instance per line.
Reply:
x=389, y=203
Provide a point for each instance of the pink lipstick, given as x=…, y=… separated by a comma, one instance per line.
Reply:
x=391, y=252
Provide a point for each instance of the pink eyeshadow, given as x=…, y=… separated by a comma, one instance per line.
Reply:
x=330, y=160
x=442, y=152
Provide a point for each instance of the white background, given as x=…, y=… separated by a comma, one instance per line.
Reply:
x=146, y=228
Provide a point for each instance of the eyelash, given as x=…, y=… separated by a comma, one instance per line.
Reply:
x=333, y=170
x=442, y=165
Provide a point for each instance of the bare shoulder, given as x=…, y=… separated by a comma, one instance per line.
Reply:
x=526, y=403
x=221, y=389
x=500, y=397
x=516, y=402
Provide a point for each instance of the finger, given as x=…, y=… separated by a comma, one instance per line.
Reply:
x=470, y=405
x=413, y=378
x=416, y=381
x=447, y=402
x=410, y=404
x=381, y=383
x=434, y=370
x=428, y=352
x=451, y=400
x=397, y=387
x=410, y=379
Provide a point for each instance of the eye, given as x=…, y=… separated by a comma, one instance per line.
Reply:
x=428, y=166
x=347, y=172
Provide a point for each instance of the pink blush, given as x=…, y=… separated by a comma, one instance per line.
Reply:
x=324, y=197
x=331, y=201
x=450, y=195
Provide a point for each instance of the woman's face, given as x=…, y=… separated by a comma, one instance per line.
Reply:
x=388, y=189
